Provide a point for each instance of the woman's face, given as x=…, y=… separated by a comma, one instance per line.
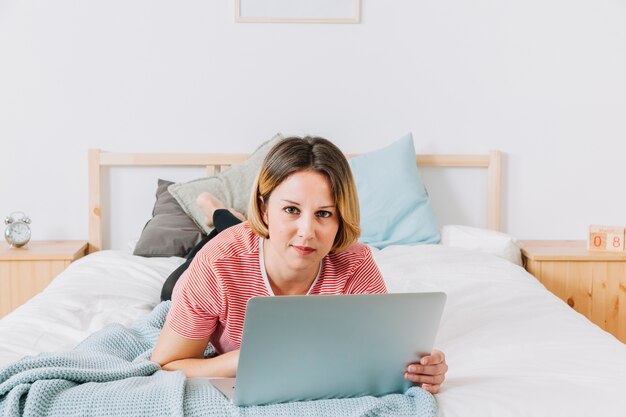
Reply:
x=303, y=221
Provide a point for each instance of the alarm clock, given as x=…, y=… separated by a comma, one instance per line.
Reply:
x=17, y=232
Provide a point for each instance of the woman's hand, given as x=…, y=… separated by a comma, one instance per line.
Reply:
x=224, y=365
x=429, y=372
x=176, y=353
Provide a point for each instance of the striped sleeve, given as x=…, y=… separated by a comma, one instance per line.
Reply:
x=366, y=277
x=196, y=302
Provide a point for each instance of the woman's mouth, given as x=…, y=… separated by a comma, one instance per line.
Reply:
x=303, y=250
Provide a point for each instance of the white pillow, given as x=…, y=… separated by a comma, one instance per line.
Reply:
x=132, y=244
x=484, y=240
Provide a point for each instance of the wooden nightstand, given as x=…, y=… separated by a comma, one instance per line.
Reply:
x=593, y=283
x=25, y=271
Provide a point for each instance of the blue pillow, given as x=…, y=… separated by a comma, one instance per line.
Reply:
x=395, y=209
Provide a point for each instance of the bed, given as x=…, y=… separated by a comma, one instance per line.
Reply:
x=513, y=348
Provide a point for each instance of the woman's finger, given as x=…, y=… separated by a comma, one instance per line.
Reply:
x=416, y=368
x=427, y=379
x=433, y=389
x=435, y=357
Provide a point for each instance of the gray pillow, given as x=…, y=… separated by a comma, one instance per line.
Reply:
x=170, y=232
x=232, y=186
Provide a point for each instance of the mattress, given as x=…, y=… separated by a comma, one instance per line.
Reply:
x=513, y=348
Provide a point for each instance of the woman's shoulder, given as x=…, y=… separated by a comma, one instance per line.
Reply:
x=356, y=247
x=353, y=270
x=236, y=241
x=355, y=253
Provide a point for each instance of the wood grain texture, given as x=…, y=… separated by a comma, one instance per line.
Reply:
x=25, y=272
x=592, y=283
x=216, y=163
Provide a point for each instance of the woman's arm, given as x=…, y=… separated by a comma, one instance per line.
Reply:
x=177, y=353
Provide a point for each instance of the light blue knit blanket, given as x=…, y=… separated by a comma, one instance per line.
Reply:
x=110, y=374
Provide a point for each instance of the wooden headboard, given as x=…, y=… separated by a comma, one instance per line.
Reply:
x=215, y=163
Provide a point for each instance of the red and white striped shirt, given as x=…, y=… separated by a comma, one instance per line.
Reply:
x=209, y=300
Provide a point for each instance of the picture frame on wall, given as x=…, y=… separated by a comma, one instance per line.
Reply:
x=298, y=11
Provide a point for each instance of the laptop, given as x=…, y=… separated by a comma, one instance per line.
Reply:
x=298, y=348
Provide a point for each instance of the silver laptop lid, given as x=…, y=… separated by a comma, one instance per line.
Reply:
x=297, y=348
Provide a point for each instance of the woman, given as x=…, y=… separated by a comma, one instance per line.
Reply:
x=300, y=239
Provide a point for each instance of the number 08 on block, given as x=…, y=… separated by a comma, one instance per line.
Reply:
x=605, y=239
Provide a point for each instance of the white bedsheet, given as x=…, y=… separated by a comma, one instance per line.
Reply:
x=101, y=288
x=513, y=348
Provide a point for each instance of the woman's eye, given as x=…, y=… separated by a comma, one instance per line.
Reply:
x=324, y=214
x=291, y=210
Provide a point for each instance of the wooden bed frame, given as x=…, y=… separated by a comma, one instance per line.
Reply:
x=215, y=163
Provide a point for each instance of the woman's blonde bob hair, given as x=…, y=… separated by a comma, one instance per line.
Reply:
x=295, y=154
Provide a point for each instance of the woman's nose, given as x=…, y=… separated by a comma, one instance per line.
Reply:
x=306, y=227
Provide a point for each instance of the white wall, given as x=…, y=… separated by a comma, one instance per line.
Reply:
x=543, y=81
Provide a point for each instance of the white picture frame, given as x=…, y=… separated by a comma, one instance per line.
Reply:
x=298, y=11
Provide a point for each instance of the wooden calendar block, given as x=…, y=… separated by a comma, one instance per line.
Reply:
x=605, y=238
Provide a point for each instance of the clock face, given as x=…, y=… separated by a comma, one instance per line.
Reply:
x=17, y=234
